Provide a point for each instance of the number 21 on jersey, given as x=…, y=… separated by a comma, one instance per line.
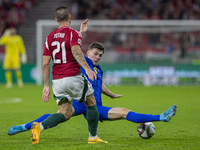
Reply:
x=59, y=47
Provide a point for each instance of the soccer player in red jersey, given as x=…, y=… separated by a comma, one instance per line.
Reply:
x=63, y=46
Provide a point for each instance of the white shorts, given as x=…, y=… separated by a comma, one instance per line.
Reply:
x=70, y=88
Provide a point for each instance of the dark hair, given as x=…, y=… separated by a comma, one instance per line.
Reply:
x=61, y=13
x=97, y=45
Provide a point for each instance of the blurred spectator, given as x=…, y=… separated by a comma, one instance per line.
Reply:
x=13, y=18
x=136, y=9
x=184, y=43
x=142, y=10
x=7, y=4
x=13, y=12
x=197, y=40
x=1, y=3
x=2, y=21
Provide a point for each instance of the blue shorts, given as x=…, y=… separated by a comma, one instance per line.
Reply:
x=81, y=108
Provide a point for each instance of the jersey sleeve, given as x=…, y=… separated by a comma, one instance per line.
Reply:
x=76, y=38
x=84, y=72
x=21, y=46
x=3, y=40
x=46, y=47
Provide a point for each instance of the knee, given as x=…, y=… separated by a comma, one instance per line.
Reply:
x=90, y=100
x=125, y=111
x=67, y=115
x=67, y=118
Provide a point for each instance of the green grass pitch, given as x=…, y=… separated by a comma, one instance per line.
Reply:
x=21, y=105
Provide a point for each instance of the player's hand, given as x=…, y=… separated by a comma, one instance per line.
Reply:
x=116, y=96
x=46, y=93
x=6, y=32
x=84, y=26
x=24, y=58
x=91, y=74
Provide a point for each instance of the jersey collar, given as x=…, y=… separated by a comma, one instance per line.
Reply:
x=89, y=61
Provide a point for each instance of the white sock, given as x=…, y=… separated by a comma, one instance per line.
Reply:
x=92, y=137
x=41, y=127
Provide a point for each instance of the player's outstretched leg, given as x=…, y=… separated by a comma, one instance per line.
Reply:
x=52, y=121
x=24, y=127
x=16, y=129
x=167, y=115
x=36, y=131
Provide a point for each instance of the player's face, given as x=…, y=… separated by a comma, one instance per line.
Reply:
x=13, y=31
x=95, y=55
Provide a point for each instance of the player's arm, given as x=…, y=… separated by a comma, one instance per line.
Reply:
x=78, y=55
x=46, y=76
x=107, y=92
x=4, y=38
x=23, y=51
x=21, y=45
x=84, y=27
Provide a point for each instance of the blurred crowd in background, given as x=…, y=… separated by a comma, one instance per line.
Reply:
x=13, y=12
x=136, y=9
x=141, y=10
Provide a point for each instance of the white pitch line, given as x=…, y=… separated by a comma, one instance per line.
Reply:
x=7, y=100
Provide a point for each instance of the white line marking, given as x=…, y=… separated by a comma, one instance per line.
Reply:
x=7, y=100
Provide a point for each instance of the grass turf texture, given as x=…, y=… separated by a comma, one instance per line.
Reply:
x=182, y=132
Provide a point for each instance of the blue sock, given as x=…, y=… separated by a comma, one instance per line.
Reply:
x=140, y=118
x=40, y=119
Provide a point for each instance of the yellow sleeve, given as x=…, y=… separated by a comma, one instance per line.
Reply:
x=3, y=40
x=21, y=46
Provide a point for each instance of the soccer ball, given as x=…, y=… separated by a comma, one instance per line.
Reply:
x=146, y=130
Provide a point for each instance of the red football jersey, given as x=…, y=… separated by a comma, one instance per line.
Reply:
x=58, y=45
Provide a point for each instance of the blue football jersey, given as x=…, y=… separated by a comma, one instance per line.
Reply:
x=96, y=84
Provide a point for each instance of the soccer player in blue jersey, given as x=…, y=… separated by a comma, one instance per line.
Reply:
x=94, y=55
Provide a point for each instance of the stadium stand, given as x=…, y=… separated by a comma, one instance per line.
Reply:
x=142, y=10
x=136, y=9
x=23, y=14
x=13, y=13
